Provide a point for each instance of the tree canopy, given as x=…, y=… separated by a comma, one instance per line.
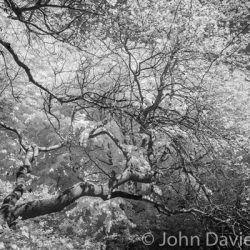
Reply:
x=122, y=117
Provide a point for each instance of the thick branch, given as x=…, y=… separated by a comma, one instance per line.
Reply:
x=130, y=175
x=10, y=201
x=56, y=204
x=41, y=207
x=32, y=151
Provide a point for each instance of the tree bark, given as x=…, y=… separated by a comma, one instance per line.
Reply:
x=10, y=201
x=47, y=206
x=9, y=211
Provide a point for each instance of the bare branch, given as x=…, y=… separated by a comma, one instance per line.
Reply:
x=51, y=148
x=26, y=69
x=167, y=211
x=20, y=138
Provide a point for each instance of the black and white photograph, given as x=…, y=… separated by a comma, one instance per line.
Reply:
x=124, y=124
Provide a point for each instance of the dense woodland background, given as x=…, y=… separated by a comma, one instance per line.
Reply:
x=121, y=117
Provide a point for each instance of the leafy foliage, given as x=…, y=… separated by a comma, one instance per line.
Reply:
x=139, y=106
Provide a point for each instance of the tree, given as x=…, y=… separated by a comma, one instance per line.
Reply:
x=122, y=94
